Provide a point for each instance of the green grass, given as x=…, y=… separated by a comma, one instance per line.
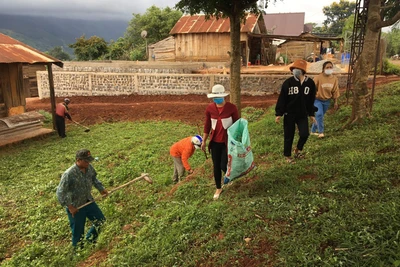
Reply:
x=338, y=207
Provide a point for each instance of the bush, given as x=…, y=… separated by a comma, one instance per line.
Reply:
x=389, y=68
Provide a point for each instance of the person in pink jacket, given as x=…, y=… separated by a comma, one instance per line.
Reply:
x=181, y=151
x=62, y=112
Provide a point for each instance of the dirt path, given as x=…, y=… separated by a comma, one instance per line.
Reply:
x=186, y=108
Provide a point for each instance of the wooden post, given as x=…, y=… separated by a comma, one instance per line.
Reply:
x=52, y=94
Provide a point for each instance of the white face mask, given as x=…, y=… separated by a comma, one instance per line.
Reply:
x=328, y=71
x=297, y=72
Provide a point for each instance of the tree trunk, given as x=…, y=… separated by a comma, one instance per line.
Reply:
x=235, y=61
x=361, y=95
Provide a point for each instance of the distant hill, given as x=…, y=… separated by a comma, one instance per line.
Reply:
x=44, y=33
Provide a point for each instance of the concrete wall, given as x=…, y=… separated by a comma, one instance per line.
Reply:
x=68, y=83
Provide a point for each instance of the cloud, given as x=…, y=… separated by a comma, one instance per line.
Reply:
x=79, y=9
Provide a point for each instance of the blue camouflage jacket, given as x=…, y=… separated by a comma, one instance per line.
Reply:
x=75, y=186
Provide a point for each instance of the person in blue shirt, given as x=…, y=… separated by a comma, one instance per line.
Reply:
x=74, y=191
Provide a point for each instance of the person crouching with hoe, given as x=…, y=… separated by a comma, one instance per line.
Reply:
x=74, y=190
x=180, y=152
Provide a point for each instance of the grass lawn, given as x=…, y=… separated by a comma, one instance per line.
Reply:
x=337, y=207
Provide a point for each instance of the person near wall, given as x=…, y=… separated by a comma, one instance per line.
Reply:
x=327, y=86
x=180, y=152
x=220, y=115
x=296, y=104
x=62, y=112
x=74, y=190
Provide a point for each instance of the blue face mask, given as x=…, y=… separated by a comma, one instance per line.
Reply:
x=218, y=100
x=297, y=73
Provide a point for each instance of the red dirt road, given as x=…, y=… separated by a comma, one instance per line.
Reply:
x=186, y=108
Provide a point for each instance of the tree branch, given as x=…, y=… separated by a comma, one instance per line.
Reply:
x=389, y=22
x=388, y=6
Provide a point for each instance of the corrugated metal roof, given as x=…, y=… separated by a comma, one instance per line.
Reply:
x=14, y=51
x=290, y=24
x=199, y=24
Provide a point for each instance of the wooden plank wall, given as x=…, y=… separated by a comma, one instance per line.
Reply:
x=3, y=110
x=11, y=80
x=297, y=50
x=202, y=47
x=30, y=80
x=163, y=50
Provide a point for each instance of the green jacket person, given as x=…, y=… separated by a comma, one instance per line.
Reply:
x=74, y=190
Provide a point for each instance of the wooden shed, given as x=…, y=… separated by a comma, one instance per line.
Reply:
x=306, y=46
x=163, y=50
x=199, y=39
x=14, y=55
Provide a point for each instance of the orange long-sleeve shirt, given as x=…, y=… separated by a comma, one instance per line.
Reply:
x=183, y=149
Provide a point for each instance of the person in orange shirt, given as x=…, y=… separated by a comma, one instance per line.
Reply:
x=181, y=151
x=62, y=112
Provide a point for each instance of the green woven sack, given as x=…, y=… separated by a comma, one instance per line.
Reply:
x=240, y=155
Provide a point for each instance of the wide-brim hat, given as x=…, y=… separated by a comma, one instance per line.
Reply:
x=218, y=90
x=299, y=64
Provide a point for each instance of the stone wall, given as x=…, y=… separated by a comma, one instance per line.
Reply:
x=120, y=66
x=112, y=84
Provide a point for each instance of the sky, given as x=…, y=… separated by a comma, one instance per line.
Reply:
x=123, y=9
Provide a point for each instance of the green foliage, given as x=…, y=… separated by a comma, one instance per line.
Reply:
x=319, y=29
x=390, y=8
x=337, y=207
x=58, y=53
x=393, y=42
x=157, y=22
x=47, y=116
x=89, y=49
x=118, y=50
x=337, y=14
x=389, y=68
x=348, y=25
x=139, y=53
x=224, y=8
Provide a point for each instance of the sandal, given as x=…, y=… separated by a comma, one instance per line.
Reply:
x=290, y=160
x=299, y=155
x=217, y=194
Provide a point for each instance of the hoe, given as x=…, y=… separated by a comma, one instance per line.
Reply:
x=144, y=176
